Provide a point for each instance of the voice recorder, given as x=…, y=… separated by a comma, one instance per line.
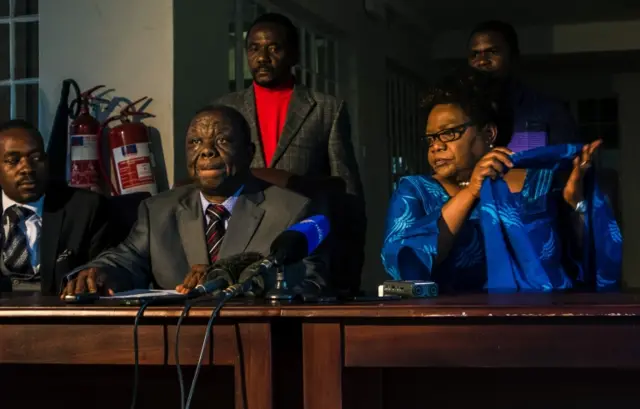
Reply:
x=410, y=288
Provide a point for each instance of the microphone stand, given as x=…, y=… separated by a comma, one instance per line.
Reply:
x=281, y=291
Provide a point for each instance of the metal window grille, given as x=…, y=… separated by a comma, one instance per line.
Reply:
x=18, y=84
x=598, y=118
x=405, y=124
x=318, y=67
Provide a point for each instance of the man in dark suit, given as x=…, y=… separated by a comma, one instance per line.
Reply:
x=48, y=228
x=301, y=131
x=226, y=211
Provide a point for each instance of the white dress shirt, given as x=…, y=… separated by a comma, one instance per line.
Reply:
x=228, y=204
x=31, y=227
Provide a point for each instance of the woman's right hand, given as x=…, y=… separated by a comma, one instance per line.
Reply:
x=491, y=165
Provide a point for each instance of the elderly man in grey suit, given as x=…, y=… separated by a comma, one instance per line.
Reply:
x=303, y=132
x=224, y=212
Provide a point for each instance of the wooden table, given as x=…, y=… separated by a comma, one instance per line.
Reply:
x=55, y=355
x=520, y=350
x=499, y=351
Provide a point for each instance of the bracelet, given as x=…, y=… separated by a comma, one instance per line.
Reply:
x=581, y=207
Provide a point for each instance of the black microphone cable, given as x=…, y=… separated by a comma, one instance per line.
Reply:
x=136, y=364
x=226, y=296
x=183, y=315
x=229, y=293
x=135, y=353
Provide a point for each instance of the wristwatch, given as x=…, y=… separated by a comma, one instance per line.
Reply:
x=581, y=207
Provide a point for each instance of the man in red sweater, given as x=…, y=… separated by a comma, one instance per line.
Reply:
x=303, y=132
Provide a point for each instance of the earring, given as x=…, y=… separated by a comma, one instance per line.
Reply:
x=490, y=146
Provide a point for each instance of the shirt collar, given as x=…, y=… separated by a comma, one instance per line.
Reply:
x=228, y=204
x=284, y=88
x=35, y=207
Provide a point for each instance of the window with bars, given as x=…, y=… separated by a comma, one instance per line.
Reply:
x=318, y=67
x=19, y=60
x=598, y=118
x=405, y=123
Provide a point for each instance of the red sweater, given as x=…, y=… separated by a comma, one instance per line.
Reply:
x=271, y=109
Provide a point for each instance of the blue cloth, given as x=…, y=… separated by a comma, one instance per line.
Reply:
x=510, y=241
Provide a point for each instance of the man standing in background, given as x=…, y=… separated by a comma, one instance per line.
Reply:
x=538, y=120
x=303, y=132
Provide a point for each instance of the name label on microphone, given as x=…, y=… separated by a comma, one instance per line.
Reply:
x=315, y=229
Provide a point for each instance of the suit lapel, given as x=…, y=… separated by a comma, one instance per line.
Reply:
x=300, y=107
x=52, y=219
x=3, y=269
x=249, y=107
x=191, y=224
x=245, y=219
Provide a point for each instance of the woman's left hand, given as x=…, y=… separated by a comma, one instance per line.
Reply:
x=573, y=192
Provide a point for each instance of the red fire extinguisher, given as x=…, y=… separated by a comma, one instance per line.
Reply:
x=84, y=143
x=130, y=153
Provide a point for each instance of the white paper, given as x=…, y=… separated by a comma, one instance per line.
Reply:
x=141, y=293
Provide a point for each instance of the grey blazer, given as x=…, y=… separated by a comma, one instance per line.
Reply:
x=169, y=237
x=315, y=141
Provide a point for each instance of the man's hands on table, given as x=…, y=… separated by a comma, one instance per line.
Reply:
x=194, y=278
x=91, y=280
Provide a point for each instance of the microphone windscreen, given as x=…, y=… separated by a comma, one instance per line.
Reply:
x=256, y=285
x=230, y=268
x=289, y=247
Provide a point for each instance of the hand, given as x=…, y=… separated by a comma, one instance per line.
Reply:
x=573, y=192
x=195, y=277
x=491, y=165
x=90, y=280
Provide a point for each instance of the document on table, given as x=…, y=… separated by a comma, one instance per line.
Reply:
x=142, y=293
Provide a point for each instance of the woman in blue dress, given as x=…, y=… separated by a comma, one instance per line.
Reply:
x=434, y=227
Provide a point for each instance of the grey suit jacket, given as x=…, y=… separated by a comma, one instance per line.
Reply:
x=168, y=237
x=315, y=141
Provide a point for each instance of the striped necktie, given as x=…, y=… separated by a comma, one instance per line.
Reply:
x=218, y=214
x=15, y=249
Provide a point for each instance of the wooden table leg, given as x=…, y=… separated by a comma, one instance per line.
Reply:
x=322, y=365
x=253, y=383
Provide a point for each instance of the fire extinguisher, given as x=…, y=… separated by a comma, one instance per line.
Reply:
x=130, y=153
x=84, y=144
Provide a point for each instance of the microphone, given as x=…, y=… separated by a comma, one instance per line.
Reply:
x=299, y=240
x=290, y=247
x=225, y=272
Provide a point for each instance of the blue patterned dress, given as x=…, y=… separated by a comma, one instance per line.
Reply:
x=410, y=245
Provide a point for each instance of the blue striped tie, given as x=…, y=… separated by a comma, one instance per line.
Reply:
x=15, y=249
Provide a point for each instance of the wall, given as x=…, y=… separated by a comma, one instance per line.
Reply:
x=124, y=44
x=628, y=89
x=169, y=50
x=200, y=65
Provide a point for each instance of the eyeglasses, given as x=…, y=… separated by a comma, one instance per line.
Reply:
x=447, y=135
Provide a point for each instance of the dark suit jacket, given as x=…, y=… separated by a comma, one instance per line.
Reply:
x=316, y=143
x=168, y=237
x=73, y=221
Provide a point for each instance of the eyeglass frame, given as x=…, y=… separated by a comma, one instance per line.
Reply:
x=457, y=132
